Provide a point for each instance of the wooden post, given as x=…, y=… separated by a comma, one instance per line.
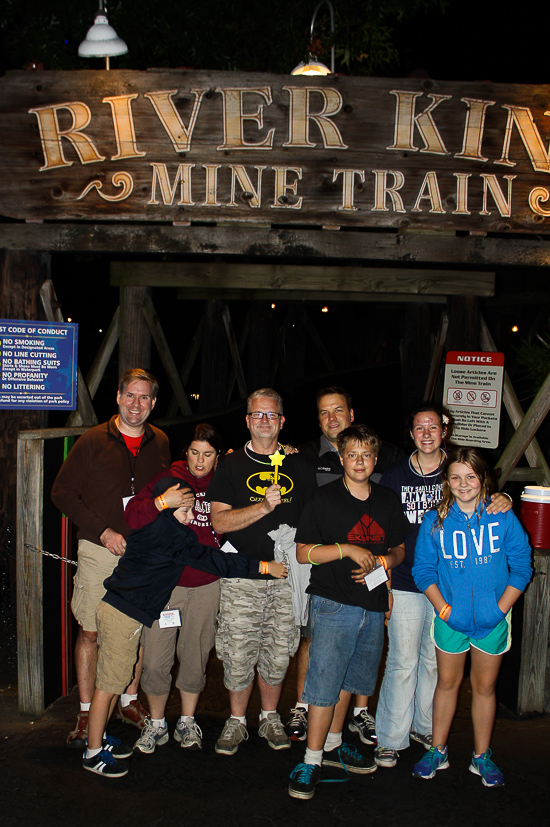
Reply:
x=134, y=348
x=21, y=275
x=30, y=656
x=534, y=644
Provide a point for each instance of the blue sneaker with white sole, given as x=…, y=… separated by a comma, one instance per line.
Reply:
x=490, y=774
x=435, y=759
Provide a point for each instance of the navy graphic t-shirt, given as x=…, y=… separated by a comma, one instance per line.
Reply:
x=418, y=493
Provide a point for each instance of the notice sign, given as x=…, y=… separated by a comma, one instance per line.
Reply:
x=473, y=395
x=38, y=365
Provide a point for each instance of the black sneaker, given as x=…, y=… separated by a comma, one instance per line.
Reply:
x=303, y=780
x=350, y=759
x=104, y=763
x=363, y=724
x=116, y=747
x=296, y=728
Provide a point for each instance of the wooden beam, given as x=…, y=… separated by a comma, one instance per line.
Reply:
x=533, y=451
x=165, y=354
x=302, y=278
x=234, y=350
x=30, y=655
x=436, y=356
x=534, y=642
x=185, y=372
x=324, y=296
x=84, y=414
x=409, y=248
x=103, y=355
x=527, y=474
x=525, y=432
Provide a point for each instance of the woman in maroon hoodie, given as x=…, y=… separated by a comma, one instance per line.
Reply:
x=194, y=601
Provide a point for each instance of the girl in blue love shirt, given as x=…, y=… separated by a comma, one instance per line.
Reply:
x=472, y=566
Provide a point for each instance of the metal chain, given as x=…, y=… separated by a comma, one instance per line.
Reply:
x=49, y=554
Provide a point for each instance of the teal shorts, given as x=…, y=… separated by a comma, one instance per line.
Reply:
x=497, y=642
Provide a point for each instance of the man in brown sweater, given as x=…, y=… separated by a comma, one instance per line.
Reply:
x=107, y=466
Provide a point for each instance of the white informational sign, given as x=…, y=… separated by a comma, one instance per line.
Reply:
x=473, y=395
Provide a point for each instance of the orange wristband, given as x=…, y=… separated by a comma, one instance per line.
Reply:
x=265, y=567
x=444, y=611
x=383, y=562
x=162, y=501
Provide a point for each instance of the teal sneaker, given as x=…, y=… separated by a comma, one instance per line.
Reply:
x=490, y=774
x=303, y=780
x=435, y=759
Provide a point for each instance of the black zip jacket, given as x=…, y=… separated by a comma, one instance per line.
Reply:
x=155, y=556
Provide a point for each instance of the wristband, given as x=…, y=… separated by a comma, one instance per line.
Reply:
x=383, y=562
x=264, y=567
x=162, y=501
x=309, y=552
x=504, y=494
x=339, y=549
x=444, y=611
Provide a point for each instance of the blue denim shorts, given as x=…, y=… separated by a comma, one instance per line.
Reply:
x=345, y=651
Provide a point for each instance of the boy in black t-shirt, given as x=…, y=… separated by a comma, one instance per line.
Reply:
x=352, y=531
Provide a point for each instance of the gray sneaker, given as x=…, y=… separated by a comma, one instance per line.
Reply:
x=425, y=740
x=385, y=756
x=188, y=734
x=151, y=737
x=272, y=729
x=233, y=734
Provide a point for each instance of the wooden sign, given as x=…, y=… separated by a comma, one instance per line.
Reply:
x=179, y=146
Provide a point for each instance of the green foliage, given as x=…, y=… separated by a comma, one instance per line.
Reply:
x=534, y=355
x=244, y=35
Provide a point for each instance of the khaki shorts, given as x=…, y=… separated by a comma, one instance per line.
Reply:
x=255, y=629
x=95, y=564
x=118, y=639
x=191, y=642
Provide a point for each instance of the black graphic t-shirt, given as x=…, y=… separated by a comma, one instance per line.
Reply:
x=334, y=515
x=241, y=480
x=418, y=493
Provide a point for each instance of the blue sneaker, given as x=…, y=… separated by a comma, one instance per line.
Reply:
x=303, y=780
x=435, y=759
x=490, y=774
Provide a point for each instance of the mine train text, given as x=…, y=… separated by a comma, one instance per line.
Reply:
x=418, y=126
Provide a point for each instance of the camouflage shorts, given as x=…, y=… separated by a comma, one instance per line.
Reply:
x=255, y=628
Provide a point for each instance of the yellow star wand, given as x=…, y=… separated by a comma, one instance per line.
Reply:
x=276, y=460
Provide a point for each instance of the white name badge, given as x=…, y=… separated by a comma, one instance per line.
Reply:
x=169, y=618
x=375, y=578
x=229, y=548
x=126, y=500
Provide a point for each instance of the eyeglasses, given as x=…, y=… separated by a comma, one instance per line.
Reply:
x=261, y=414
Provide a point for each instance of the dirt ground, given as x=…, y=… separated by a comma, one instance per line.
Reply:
x=42, y=782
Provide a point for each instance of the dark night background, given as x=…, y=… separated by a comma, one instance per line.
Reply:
x=460, y=41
